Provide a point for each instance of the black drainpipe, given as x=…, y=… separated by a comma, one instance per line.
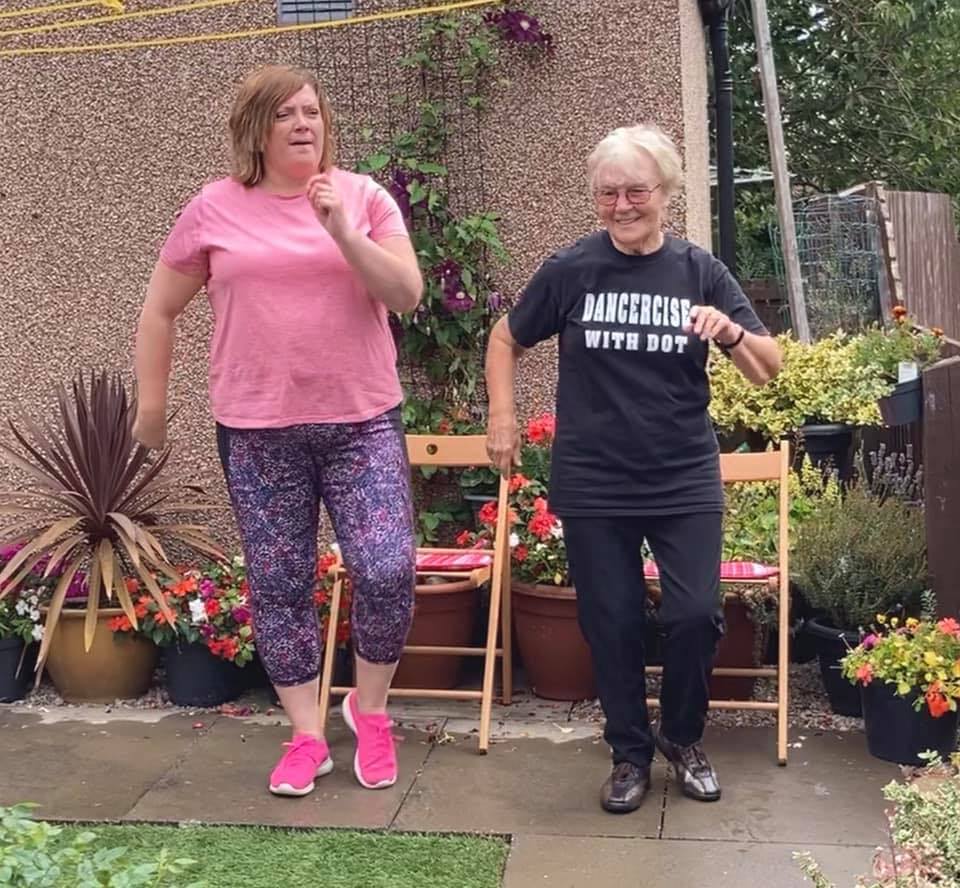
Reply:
x=716, y=14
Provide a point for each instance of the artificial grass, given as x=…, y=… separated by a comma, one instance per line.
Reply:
x=258, y=857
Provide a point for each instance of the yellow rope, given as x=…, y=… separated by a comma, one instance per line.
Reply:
x=111, y=19
x=60, y=7
x=237, y=35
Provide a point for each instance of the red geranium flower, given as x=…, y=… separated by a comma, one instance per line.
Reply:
x=488, y=513
x=937, y=702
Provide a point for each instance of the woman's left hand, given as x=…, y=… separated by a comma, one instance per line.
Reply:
x=327, y=205
x=709, y=323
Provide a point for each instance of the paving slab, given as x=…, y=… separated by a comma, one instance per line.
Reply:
x=76, y=770
x=224, y=778
x=829, y=792
x=538, y=861
x=520, y=787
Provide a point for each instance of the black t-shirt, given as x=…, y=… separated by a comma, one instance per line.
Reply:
x=633, y=433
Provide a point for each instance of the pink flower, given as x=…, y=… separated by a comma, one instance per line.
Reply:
x=870, y=642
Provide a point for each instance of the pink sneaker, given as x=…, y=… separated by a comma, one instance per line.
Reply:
x=305, y=758
x=375, y=763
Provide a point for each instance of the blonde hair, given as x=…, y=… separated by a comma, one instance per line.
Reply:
x=625, y=143
x=255, y=109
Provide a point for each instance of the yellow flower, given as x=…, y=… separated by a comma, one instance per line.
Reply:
x=930, y=658
x=894, y=622
x=881, y=618
x=912, y=623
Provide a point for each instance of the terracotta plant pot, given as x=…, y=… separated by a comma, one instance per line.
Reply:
x=555, y=653
x=117, y=666
x=443, y=615
x=738, y=649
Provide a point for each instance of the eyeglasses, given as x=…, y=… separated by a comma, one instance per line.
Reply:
x=607, y=197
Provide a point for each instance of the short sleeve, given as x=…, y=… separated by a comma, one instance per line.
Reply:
x=538, y=313
x=727, y=295
x=386, y=220
x=185, y=249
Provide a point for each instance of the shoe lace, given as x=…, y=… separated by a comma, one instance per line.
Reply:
x=381, y=742
x=695, y=760
x=625, y=771
x=299, y=749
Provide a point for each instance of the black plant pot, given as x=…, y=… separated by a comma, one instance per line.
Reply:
x=196, y=677
x=896, y=732
x=16, y=669
x=832, y=646
x=904, y=405
x=829, y=446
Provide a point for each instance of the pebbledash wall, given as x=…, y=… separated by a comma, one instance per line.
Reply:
x=98, y=150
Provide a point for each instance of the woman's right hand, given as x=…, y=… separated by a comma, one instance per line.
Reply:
x=150, y=429
x=503, y=443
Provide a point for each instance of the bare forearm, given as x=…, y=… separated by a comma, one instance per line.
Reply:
x=388, y=278
x=154, y=352
x=758, y=358
x=501, y=367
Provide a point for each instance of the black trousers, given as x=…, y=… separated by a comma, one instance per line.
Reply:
x=606, y=565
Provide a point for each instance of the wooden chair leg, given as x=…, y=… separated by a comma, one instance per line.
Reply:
x=783, y=674
x=506, y=642
x=489, y=665
x=329, y=653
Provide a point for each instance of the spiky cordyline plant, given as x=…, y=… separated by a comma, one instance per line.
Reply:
x=94, y=502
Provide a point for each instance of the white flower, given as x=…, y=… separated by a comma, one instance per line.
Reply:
x=557, y=531
x=35, y=615
x=22, y=607
x=514, y=540
x=38, y=633
x=198, y=612
x=238, y=561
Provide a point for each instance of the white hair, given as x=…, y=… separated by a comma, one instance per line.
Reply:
x=623, y=145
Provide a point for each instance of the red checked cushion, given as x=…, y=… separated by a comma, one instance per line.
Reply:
x=438, y=561
x=729, y=570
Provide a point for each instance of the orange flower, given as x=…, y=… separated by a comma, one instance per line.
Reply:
x=132, y=584
x=463, y=538
x=488, y=513
x=937, y=702
x=444, y=427
x=121, y=624
x=541, y=525
x=936, y=331
x=518, y=481
x=865, y=674
x=185, y=587
x=949, y=626
x=542, y=429
x=899, y=312
x=540, y=505
x=520, y=553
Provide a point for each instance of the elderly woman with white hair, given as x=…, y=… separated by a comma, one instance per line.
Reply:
x=635, y=456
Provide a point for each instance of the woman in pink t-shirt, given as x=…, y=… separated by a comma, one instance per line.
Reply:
x=302, y=262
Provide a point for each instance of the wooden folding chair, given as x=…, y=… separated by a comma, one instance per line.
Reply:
x=479, y=566
x=773, y=465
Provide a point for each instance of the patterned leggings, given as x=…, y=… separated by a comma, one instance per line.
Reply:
x=277, y=479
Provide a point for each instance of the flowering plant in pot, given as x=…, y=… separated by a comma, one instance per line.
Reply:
x=20, y=629
x=885, y=350
x=93, y=507
x=909, y=674
x=209, y=637
x=859, y=555
x=554, y=652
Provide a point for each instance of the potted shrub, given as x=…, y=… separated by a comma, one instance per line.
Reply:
x=750, y=528
x=859, y=555
x=909, y=678
x=20, y=631
x=210, y=639
x=94, y=508
x=896, y=350
x=555, y=654
x=821, y=394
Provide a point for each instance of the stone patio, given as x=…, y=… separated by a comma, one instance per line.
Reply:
x=539, y=785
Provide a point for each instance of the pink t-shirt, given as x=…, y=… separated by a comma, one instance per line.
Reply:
x=297, y=338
